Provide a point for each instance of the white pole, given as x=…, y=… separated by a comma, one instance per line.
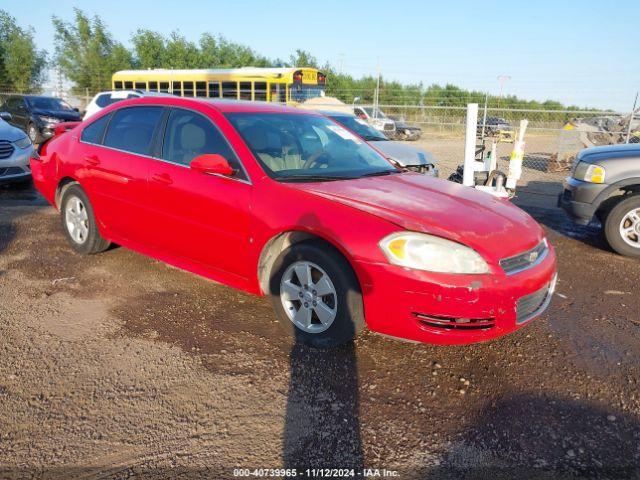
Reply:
x=470, y=145
x=633, y=112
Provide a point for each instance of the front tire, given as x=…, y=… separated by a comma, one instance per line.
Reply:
x=79, y=222
x=316, y=295
x=622, y=227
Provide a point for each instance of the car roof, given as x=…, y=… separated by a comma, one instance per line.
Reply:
x=223, y=106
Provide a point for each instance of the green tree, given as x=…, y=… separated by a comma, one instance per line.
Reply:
x=22, y=65
x=180, y=53
x=149, y=49
x=86, y=52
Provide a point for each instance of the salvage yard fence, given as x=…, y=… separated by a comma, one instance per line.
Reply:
x=553, y=137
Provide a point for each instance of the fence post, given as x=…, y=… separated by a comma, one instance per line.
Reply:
x=470, y=145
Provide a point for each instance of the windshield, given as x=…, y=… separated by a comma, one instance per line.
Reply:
x=299, y=92
x=307, y=147
x=374, y=112
x=49, y=103
x=360, y=127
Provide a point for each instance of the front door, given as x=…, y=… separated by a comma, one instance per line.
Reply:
x=199, y=217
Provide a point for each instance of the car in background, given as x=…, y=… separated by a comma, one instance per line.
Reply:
x=38, y=115
x=287, y=203
x=404, y=131
x=376, y=119
x=495, y=127
x=15, y=150
x=104, y=99
x=604, y=183
x=403, y=155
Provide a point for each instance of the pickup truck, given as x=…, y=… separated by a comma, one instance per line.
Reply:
x=604, y=183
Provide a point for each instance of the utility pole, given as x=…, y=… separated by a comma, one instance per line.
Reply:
x=502, y=79
x=633, y=112
x=341, y=63
x=376, y=98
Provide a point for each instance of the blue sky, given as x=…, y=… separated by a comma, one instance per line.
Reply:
x=575, y=52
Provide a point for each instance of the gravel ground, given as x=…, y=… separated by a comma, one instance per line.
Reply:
x=116, y=365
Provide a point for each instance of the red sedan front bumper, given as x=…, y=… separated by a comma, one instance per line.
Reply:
x=454, y=309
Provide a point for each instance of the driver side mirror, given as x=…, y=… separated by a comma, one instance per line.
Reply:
x=6, y=116
x=212, y=164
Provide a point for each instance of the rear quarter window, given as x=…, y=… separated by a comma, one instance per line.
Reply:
x=94, y=132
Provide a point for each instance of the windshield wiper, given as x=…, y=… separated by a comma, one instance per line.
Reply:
x=314, y=178
x=380, y=173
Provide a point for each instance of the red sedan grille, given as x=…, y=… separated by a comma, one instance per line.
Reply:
x=450, y=323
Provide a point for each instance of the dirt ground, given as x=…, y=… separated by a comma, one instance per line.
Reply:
x=116, y=365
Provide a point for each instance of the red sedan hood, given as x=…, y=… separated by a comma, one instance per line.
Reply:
x=493, y=227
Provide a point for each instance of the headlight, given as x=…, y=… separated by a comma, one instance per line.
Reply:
x=434, y=254
x=50, y=119
x=589, y=172
x=22, y=142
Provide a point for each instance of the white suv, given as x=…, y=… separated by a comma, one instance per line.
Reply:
x=104, y=99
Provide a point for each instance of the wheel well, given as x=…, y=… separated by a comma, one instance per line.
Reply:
x=613, y=198
x=277, y=245
x=65, y=183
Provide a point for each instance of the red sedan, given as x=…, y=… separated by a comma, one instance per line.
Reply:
x=286, y=203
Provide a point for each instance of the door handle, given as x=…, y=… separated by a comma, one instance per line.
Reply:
x=162, y=178
x=92, y=159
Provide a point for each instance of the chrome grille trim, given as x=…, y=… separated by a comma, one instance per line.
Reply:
x=6, y=149
x=523, y=261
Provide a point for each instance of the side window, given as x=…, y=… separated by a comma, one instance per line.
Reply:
x=141, y=85
x=131, y=129
x=260, y=91
x=164, y=87
x=117, y=85
x=201, y=89
x=189, y=134
x=177, y=88
x=128, y=85
x=229, y=90
x=214, y=90
x=188, y=89
x=245, y=90
x=94, y=132
x=153, y=86
x=103, y=100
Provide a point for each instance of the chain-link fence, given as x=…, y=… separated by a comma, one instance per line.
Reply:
x=553, y=137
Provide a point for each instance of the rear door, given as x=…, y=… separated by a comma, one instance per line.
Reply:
x=116, y=162
x=203, y=218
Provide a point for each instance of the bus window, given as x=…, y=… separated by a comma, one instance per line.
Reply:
x=187, y=89
x=260, y=91
x=117, y=85
x=245, y=90
x=201, y=89
x=153, y=86
x=141, y=85
x=229, y=90
x=214, y=90
x=177, y=88
x=277, y=93
x=164, y=87
x=128, y=85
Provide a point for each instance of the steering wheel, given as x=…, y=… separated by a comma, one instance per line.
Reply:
x=321, y=157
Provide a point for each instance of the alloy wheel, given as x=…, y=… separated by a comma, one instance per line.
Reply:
x=77, y=220
x=630, y=228
x=308, y=296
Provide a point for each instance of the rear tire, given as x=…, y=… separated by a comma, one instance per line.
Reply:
x=622, y=227
x=79, y=222
x=316, y=295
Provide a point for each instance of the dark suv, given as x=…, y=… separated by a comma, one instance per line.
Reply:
x=38, y=115
x=605, y=183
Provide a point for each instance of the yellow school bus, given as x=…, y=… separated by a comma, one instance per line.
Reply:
x=283, y=85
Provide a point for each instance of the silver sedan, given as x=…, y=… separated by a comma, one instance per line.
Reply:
x=15, y=150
